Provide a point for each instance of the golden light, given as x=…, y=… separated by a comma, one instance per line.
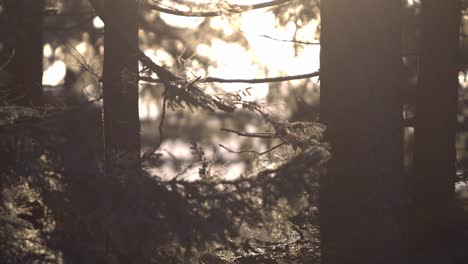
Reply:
x=264, y=56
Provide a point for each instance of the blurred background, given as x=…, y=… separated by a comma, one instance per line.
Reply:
x=78, y=214
x=261, y=43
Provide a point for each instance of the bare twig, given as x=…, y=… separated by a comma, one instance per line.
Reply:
x=253, y=151
x=261, y=80
x=161, y=132
x=234, y=9
x=176, y=177
x=143, y=69
x=8, y=60
x=246, y=134
x=83, y=63
x=282, y=40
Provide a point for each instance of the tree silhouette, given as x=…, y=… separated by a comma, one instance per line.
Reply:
x=120, y=77
x=361, y=77
x=23, y=67
x=183, y=200
x=435, y=128
x=25, y=21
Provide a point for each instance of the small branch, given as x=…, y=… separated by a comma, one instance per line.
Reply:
x=8, y=60
x=83, y=63
x=148, y=154
x=176, y=177
x=234, y=9
x=253, y=151
x=261, y=80
x=246, y=134
x=143, y=69
x=282, y=40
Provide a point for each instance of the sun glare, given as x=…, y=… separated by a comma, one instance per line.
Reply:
x=181, y=22
x=271, y=51
x=412, y=2
x=98, y=23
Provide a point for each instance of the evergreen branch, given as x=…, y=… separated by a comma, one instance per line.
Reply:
x=178, y=90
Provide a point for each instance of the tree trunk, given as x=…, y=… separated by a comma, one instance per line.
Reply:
x=26, y=19
x=121, y=120
x=435, y=124
x=22, y=83
x=361, y=104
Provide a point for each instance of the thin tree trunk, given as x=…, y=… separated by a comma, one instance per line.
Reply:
x=121, y=120
x=361, y=104
x=435, y=125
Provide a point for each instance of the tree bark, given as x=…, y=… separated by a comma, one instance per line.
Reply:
x=121, y=119
x=361, y=103
x=25, y=19
x=435, y=125
x=23, y=83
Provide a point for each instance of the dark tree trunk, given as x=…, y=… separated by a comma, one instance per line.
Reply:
x=121, y=120
x=435, y=124
x=22, y=39
x=361, y=104
x=25, y=19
